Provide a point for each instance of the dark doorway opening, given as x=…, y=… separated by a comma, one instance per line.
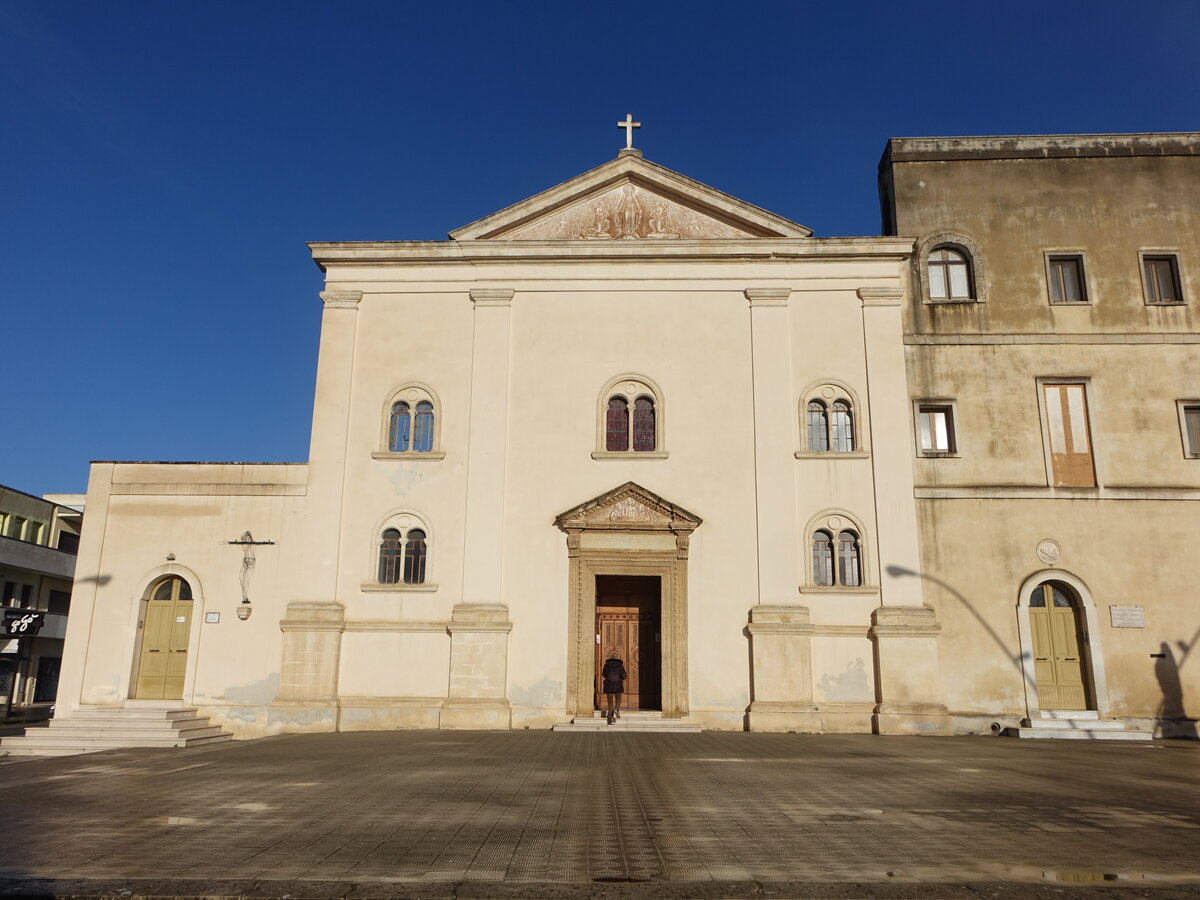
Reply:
x=629, y=626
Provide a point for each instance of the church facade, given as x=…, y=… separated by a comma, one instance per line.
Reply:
x=635, y=416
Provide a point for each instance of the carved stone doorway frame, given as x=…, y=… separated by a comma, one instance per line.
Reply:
x=627, y=531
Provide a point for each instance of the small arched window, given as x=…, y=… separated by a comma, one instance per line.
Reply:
x=414, y=557
x=616, y=425
x=422, y=441
x=841, y=427
x=829, y=427
x=411, y=420
x=399, y=428
x=643, y=424
x=630, y=420
x=402, y=556
x=818, y=427
x=837, y=555
x=950, y=275
x=822, y=550
x=849, y=570
x=390, y=554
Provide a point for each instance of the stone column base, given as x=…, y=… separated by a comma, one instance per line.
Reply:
x=302, y=716
x=781, y=716
x=487, y=714
x=912, y=718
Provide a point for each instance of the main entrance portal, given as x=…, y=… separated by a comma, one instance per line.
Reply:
x=628, y=626
x=627, y=591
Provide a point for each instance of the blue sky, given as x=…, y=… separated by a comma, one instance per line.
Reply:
x=166, y=163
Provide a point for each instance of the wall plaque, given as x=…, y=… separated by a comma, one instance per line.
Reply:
x=1128, y=616
x=212, y=618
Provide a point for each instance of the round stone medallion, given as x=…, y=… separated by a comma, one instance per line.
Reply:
x=1048, y=552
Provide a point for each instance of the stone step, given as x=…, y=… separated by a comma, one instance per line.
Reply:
x=166, y=724
x=150, y=714
x=1093, y=724
x=118, y=731
x=1082, y=733
x=1068, y=714
x=92, y=723
x=641, y=720
x=40, y=746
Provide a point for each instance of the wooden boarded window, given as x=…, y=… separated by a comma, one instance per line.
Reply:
x=1067, y=428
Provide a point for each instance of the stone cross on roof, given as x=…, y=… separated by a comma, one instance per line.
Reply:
x=629, y=125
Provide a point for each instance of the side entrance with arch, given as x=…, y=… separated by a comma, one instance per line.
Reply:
x=1061, y=657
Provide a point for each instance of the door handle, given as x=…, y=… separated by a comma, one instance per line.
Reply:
x=1070, y=659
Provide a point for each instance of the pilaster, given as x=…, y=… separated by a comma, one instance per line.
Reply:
x=308, y=676
x=488, y=445
x=478, y=668
x=781, y=656
x=327, y=449
x=774, y=415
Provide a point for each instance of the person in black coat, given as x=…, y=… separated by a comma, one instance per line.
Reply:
x=614, y=676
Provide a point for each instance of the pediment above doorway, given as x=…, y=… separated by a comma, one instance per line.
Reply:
x=630, y=198
x=629, y=507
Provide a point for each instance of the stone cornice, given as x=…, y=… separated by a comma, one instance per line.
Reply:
x=374, y=253
x=877, y=296
x=768, y=296
x=492, y=296
x=341, y=299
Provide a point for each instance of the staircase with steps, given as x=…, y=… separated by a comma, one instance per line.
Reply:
x=135, y=725
x=1076, y=725
x=642, y=720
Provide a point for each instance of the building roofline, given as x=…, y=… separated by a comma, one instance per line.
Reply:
x=1040, y=146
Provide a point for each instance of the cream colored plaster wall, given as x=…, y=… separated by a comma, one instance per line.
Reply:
x=147, y=514
x=1125, y=553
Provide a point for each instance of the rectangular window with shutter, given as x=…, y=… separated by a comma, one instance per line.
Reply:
x=1189, y=422
x=1067, y=284
x=1067, y=434
x=1161, y=278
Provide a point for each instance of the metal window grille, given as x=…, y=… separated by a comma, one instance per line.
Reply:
x=841, y=427
x=389, y=557
x=849, y=567
x=414, y=557
x=643, y=424
x=422, y=437
x=822, y=549
x=617, y=425
x=818, y=427
x=399, y=427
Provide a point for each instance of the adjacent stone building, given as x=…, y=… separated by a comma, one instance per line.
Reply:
x=1051, y=347
x=796, y=483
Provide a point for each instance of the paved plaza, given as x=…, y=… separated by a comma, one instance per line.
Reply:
x=531, y=814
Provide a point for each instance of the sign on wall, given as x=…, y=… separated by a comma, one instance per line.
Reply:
x=22, y=622
x=1127, y=616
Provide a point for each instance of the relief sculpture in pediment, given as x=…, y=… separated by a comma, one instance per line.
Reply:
x=629, y=211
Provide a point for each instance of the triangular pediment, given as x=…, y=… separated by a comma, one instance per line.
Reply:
x=630, y=198
x=629, y=507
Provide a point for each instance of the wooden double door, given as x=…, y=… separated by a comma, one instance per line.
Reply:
x=1059, y=663
x=166, y=629
x=629, y=626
